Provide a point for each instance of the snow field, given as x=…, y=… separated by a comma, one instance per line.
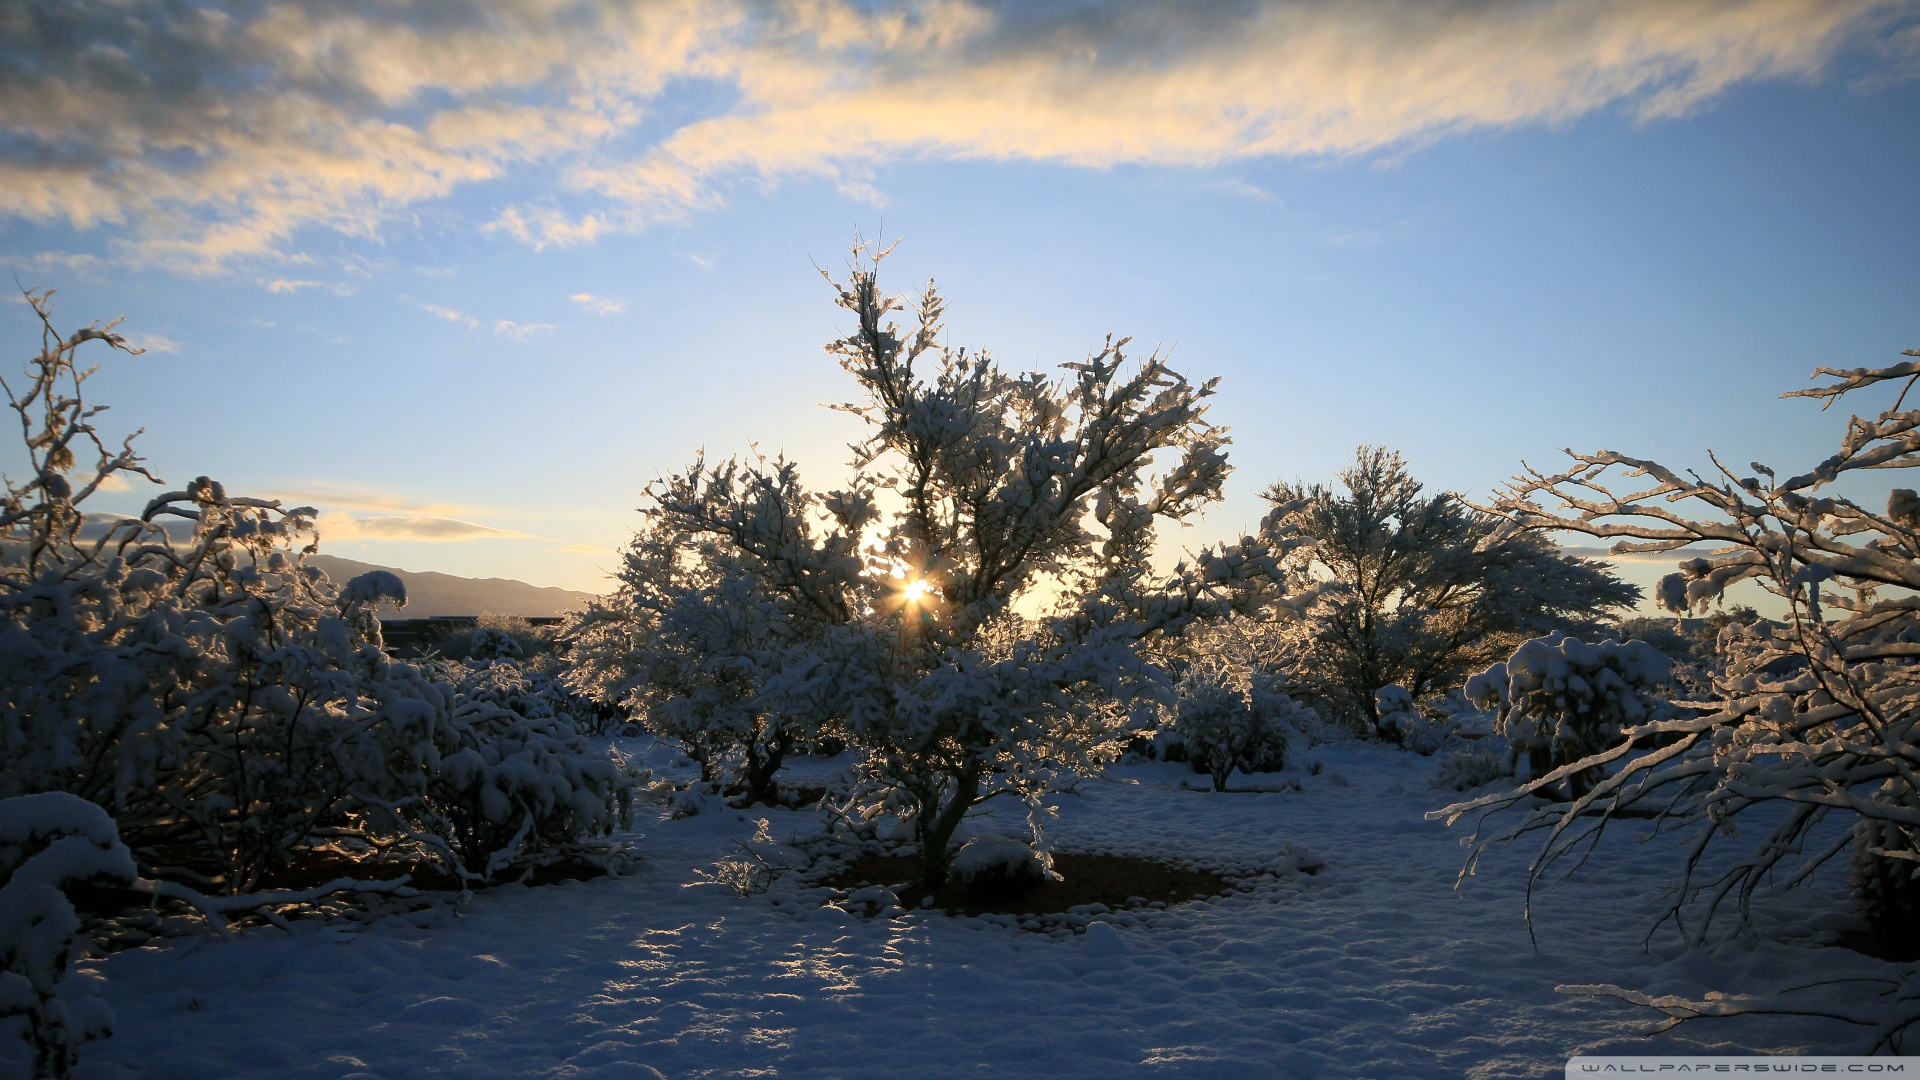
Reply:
x=1373, y=967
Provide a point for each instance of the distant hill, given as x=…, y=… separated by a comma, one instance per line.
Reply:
x=433, y=593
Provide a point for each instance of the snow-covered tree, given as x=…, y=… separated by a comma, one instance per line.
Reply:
x=1421, y=589
x=974, y=486
x=687, y=641
x=1814, y=723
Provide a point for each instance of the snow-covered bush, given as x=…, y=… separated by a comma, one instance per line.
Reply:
x=1392, y=702
x=517, y=783
x=999, y=865
x=1815, y=720
x=895, y=593
x=1560, y=700
x=1419, y=589
x=1228, y=720
x=493, y=643
x=1473, y=765
x=49, y=843
x=1405, y=725
x=188, y=671
x=530, y=688
x=210, y=689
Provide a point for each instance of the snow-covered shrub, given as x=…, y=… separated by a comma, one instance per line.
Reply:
x=1474, y=764
x=1420, y=589
x=1000, y=865
x=1560, y=700
x=49, y=843
x=1214, y=723
x=492, y=643
x=1405, y=725
x=529, y=688
x=516, y=782
x=498, y=636
x=227, y=704
x=896, y=621
x=1226, y=722
x=202, y=682
x=1815, y=720
x=1392, y=702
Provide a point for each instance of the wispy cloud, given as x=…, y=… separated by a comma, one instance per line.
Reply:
x=354, y=514
x=343, y=526
x=598, y=305
x=204, y=136
x=518, y=331
x=68, y=261
x=291, y=286
x=334, y=497
x=153, y=343
x=451, y=315
x=1236, y=186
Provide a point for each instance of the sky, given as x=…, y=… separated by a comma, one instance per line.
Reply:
x=467, y=277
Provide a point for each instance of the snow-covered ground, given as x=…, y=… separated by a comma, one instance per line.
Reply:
x=1373, y=967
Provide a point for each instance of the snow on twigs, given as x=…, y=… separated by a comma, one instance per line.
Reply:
x=1810, y=734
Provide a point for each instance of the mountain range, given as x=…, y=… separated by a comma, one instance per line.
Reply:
x=432, y=593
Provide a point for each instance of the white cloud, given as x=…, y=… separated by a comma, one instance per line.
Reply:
x=339, y=525
x=353, y=514
x=333, y=497
x=521, y=331
x=200, y=137
x=153, y=343
x=68, y=261
x=598, y=305
x=518, y=331
x=1237, y=186
x=451, y=316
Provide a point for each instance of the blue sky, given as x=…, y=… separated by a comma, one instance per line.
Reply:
x=467, y=278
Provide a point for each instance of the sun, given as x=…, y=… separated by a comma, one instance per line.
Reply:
x=916, y=591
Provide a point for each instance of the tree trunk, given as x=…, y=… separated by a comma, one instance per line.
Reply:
x=1220, y=765
x=763, y=762
x=935, y=827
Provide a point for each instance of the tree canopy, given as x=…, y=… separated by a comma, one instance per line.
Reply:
x=896, y=593
x=1422, y=589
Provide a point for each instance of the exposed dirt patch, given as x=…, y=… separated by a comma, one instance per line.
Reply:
x=1118, y=881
